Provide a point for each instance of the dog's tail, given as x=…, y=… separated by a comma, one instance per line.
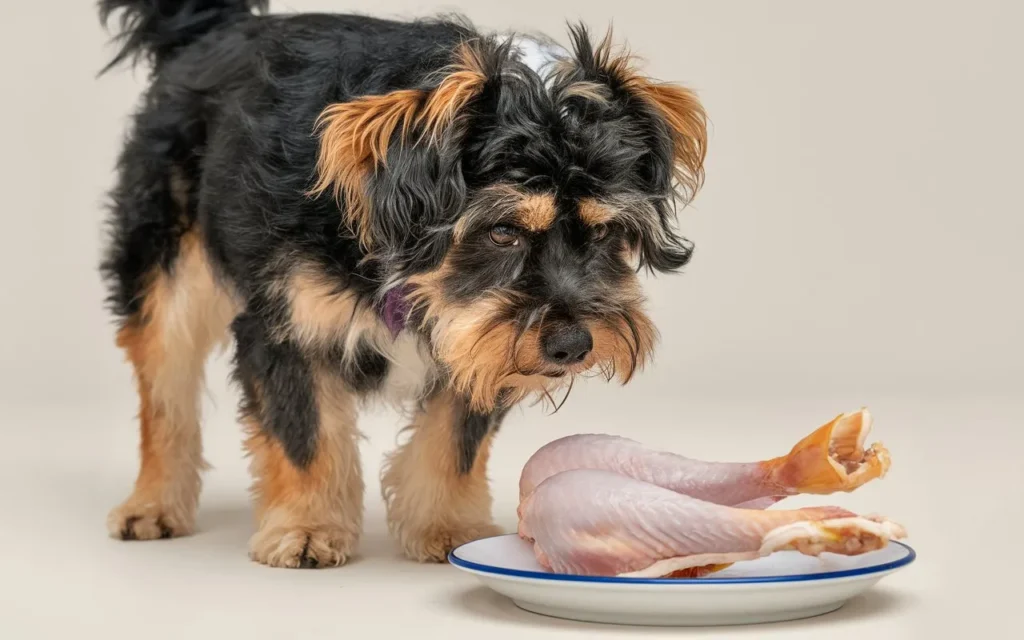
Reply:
x=155, y=30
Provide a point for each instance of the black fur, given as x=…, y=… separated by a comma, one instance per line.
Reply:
x=223, y=145
x=368, y=370
x=157, y=29
x=277, y=386
x=471, y=432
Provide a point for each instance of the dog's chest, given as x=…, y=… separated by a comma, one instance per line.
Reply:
x=411, y=369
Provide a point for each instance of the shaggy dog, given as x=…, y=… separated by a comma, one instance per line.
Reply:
x=375, y=208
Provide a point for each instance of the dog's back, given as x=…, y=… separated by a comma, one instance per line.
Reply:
x=255, y=84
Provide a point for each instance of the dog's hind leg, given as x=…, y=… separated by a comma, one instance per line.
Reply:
x=183, y=314
x=435, y=485
x=172, y=311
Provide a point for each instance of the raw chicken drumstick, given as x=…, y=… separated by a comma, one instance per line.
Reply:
x=831, y=459
x=601, y=523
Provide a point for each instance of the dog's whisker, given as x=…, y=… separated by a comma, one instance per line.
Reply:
x=566, y=396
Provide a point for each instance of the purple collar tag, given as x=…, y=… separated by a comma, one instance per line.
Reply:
x=395, y=310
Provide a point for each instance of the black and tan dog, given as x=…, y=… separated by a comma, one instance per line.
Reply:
x=367, y=207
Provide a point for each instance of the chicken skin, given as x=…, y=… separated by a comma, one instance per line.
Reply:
x=603, y=505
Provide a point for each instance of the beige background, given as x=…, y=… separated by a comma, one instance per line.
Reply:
x=857, y=244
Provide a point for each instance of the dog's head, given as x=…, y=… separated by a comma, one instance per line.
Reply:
x=514, y=208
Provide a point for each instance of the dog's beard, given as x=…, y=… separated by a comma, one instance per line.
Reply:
x=493, y=357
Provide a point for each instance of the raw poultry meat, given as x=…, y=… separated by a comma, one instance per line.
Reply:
x=620, y=526
x=831, y=459
x=605, y=505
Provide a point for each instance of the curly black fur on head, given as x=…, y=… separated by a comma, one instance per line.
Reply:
x=593, y=128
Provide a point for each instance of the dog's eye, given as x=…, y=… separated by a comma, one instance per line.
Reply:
x=505, y=236
x=599, y=231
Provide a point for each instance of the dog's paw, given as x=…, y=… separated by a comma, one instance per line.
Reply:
x=434, y=543
x=141, y=519
x=302, y=547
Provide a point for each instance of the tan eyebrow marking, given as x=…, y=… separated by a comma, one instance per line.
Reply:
x=536, y=212
x=593, y=213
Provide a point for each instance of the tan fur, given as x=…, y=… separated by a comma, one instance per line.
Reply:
x=593, y=213
x=463, y=81
x=617, y=352
x=532, y=211
x=485, y=358
x=184, y=316
x=355, y=135
x=626, y=349
x=476, y=351
x=322, y=314
x=354, y=139
x=311, y=516
x=431, y=507
x=686, y=119
x=536, y=212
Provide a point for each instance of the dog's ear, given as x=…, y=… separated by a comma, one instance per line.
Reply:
x=672, y=125
x=684, y=117
x=392, y=160
x=670, y=109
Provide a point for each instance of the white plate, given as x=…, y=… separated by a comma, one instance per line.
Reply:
x=783, y=586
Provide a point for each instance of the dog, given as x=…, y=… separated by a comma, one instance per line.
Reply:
x=367, y=208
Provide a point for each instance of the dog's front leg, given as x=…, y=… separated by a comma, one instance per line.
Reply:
x=301, y=423
x=435, y=485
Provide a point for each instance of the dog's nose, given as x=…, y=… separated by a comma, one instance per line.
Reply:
x=567, y=344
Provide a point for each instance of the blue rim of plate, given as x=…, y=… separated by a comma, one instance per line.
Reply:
x=558, y=577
